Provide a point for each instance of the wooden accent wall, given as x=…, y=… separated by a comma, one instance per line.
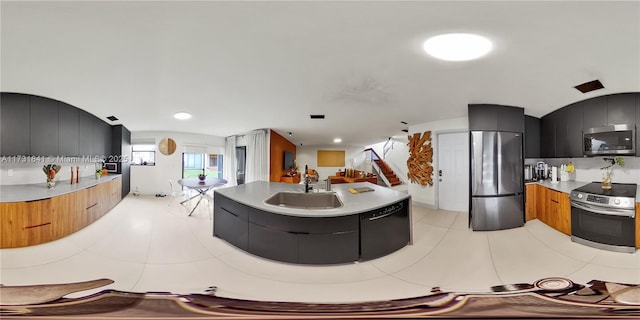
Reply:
x=637, y=225
x=278, y=145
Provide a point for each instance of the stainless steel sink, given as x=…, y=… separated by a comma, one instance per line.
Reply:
x=300, y=200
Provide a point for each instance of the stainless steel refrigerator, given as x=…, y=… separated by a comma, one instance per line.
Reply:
x=497, y=186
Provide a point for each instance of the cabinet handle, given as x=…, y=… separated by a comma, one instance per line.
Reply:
x=38, y=200
x=91, y=206
x=229, y=212
x=38, y=225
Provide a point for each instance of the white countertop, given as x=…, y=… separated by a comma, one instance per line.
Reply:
x=39, y=191
x=567, y=186
x=253, y=194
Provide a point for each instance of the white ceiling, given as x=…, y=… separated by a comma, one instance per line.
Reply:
x=239, y=66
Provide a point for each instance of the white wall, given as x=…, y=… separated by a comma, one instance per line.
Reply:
x=308, y=155
x=427, y=195
x=155, y=179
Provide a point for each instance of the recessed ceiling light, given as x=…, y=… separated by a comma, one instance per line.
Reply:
x=457, y=46
x=337, y=140
x=182, y=116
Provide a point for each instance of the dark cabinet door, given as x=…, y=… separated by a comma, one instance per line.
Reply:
x=547, y=136
x=621, y=108
x=483, y=117
x=531, y=137
x=637, y=122
x=273, y=243
x=15, y=126
x=231, y=222
x=328, y=248
x=510, y=119
x=101, y=138
x=44, y=126
x=68, y=126
x=595, y=112
x=561, y=130
x=574, y=120
x=85, y=133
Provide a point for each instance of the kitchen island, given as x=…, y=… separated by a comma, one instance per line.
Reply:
x=366, y=226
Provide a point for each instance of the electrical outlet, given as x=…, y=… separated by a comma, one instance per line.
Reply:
x=10, y=172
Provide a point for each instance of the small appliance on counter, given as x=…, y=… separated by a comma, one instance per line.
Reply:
x=542, y=170
x=529, y=173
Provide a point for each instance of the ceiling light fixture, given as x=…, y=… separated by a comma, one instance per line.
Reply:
x=457, y=46
x=182, y=116
x=337, y=140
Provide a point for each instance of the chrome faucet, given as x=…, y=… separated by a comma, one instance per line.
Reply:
x=306, y=179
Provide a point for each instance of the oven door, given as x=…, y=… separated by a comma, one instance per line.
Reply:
x=604, y=228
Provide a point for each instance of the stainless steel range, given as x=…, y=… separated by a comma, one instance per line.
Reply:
x=604, y=219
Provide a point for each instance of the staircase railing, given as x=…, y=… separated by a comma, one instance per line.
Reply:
x=387, y=146
x=376, y=168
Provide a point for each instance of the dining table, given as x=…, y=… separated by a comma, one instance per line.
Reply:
x=201, y=186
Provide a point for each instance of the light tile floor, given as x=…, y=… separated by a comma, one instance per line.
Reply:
x=150, y=244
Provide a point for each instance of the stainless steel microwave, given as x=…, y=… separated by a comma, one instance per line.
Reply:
x=111, y=166
x=616, y=139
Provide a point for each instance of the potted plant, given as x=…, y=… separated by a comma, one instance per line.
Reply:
x=607, y=170
x=202, y=176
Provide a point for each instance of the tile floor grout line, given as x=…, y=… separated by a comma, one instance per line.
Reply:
x=493, y=262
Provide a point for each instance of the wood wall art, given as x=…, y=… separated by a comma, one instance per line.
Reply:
x=420, y=159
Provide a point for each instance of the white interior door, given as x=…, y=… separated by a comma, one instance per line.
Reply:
x=453, y=171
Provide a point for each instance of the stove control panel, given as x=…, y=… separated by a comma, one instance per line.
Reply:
x=604, y=201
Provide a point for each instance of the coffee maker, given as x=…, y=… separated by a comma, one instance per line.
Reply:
x=542, y=171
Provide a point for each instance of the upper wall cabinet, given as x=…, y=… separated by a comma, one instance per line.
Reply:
x=531, y=137
x=15, y=124
x=38, y=126
x=489, y=117
x=621, y=108
x=561, y=132
x=44, y=127
x=68, y=137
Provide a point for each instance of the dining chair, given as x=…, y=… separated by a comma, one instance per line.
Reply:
x=176, y=191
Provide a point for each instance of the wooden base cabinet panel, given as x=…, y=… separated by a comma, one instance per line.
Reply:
x=637, y=225
x=25, y=223
x=531, y=201
x=34, y=222
x=554, y=209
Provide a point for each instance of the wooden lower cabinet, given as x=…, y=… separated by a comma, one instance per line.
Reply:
x=531, y=199
x=637, y=225
x=25, y=223
x=553, y=208
x=30, y=223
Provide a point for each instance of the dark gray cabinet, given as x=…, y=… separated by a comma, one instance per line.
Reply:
x=85, y=133
x=121, y=154
x=560, y=133
x=548, y=136
x=574, y=121
x=15, y=128
x=531, y=137
x=595, y=112
x=510, y=119
x=43, y=136
x=303, y=240
x=101, y=138
x=231, y=221
x=272, y=243
x=483, y=117
x=488, y=117
x=621, y=108
x=68, y=138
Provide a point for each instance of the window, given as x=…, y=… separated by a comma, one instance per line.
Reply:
x=193, y=164
x=143, y=153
